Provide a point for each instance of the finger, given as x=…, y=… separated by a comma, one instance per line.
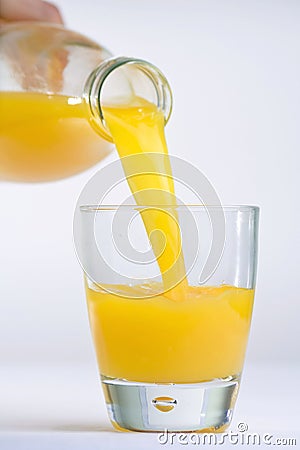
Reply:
x=29, y=10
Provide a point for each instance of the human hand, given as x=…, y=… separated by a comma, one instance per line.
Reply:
x=15, y=10
x=22, y=51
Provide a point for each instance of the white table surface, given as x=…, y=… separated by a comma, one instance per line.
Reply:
x=62, y=407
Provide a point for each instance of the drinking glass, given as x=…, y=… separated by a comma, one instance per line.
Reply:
x=170, y=358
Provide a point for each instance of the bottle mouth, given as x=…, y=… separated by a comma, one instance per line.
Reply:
x=117, y=80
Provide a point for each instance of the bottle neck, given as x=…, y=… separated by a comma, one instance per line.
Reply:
x=119, y=80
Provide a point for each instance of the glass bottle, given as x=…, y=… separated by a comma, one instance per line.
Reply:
x=53, y=84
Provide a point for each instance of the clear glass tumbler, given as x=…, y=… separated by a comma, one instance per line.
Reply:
x=169, y=361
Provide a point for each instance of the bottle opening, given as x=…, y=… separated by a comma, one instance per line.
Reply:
x=119, y=81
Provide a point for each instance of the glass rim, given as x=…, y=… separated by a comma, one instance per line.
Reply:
x=193, y=207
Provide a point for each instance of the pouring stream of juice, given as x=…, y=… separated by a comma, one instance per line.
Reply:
x=138, y=129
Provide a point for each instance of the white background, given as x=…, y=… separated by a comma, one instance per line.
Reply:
x=235, y=74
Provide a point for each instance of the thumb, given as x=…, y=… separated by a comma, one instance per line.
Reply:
x=30, y=10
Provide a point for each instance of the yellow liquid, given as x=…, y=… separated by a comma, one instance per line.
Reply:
x=187, y=334
x=138, y=130
x=159, y=340
x=45, y=137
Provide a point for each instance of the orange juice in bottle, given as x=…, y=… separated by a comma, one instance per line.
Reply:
x=51, y=126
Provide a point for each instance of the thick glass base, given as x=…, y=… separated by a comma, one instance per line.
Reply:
x=205, y=407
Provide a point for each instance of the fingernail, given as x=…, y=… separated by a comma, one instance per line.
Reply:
x=52, y=13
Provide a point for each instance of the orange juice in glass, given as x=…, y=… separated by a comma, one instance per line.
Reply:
x=169, y=358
